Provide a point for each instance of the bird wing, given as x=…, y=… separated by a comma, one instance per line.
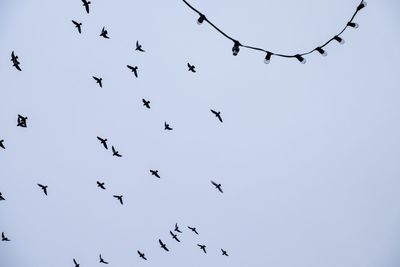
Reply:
x=2, y=235
x=17, y=67
x=213, y=111
x=74, y=22
x=113, y=149
x=100, y=139
x=45, y=191
x=219, y=117
x=75, y=262
x=214, y=183
x=135, y=72
x=105, y=145
x=129, y=67
x=220, y=189
x=79, y=29
x=190, y=66
x=161, y=243
x=137, y=44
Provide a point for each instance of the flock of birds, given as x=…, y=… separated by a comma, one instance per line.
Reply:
x=22, y=122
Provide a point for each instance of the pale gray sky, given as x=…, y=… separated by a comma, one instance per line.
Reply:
x=308, y=155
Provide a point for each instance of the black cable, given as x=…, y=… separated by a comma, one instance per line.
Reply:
x=269, y=54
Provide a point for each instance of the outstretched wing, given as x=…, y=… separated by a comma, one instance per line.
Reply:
x=214, y=183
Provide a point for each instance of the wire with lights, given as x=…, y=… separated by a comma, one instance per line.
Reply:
x=269, y=54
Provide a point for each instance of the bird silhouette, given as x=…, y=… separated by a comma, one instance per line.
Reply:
x=142, y=255
x=21, y=121
x=155, y=173
x=115, y=152
x=193, y=230
x=203, y=247
x=77, y=25
x=86, y=5
x=2, y=144
x=133, y=69
x=139, y=47
x=217, y=114
x=76, y=264
x=119, y=198
x=191, y=68
x=104, y=33
x=103, y=141
x=3, y=237
x=15, y=61
x=99, y=81
x=146, y=103
x=44, y=188
x=174, y=236
x=218, y=186
x=163, y=245
x=167, y=127
x=224, y=253
x=1, y=197
x=102, y=260
x=101, y=185
x=177, y=228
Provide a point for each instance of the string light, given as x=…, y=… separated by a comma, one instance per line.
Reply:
x=300, y=56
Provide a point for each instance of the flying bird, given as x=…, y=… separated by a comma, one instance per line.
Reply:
x=99, y=81
x=174, y=236
x=3, y=237
x=224, y=253
x=77, y=25
x=191, y=68
x=142, y=255
x=218, y=186
x=86, y=5
x=203, y=247
x=155, y=173
x=76, y=264
x=101, y=185
x=21, y=121
x=115, y=152
x=139, y=47
x=217, y=114
x=146, y=103
x=133, y=69
x=44, y=188
x=177, y=228
x=103, y=141
x=15, y=61
x=119, y=198
x=104, y=33
x=1, y=144
x=193, y=230
x=163, y=245
x=1, y=197
x=102, y=260
x=167, y=127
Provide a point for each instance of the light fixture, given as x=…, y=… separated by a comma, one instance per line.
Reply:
x=361, y=5
x=301, y=59
x=201, y=19
x=268, y=58
x=339, y=39
x=321, y=51
x=235, y=48
x=352, y=24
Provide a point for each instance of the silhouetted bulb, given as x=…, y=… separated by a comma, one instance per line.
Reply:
x=321, y=51
x=235, y=48
x=268, y=58
x=201, y=19
x=339, y=39
x=352, y=24
x=301, y=59
x=361, y=5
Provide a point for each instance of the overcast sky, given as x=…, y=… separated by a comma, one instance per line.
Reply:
x=308, y=155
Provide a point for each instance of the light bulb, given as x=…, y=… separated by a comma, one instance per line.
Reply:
x=201, y=19
x=361, y=5
x=301, y=59
x=235, y=48
x=339, y=39
x=321, y=51
x=352, y=24
x=268, y=58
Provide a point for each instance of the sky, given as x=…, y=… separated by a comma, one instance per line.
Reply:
x=307, y=155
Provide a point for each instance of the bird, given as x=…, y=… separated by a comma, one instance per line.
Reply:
x=142, y=255
x=101, y=185
x=86, y=5
x=1, y=144
x=224, y=253
x=167, y=127
x=203, y=247
x=1, y=197
x=15, y=61
x=3, y=237
x=119, y=198
x=191, y=68
x=139, y=47
x=115, y=152
x=44, y=188
x=218, y=186
x=77, y=25
x=103, y=141
x=76, y=264
x=21, y=121
x=174, y=236
x=177, y=228
x=193, y=229
x=104, y=33
x=146, y=103
x=217, y=114
x=155, y=173
x=99, y=81
x=163, y=245
x=102, y=260
x=133, y=69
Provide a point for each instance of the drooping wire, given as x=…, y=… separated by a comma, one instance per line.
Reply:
x=269, y=54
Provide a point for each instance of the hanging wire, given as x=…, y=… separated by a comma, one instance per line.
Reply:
x=269, y=54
